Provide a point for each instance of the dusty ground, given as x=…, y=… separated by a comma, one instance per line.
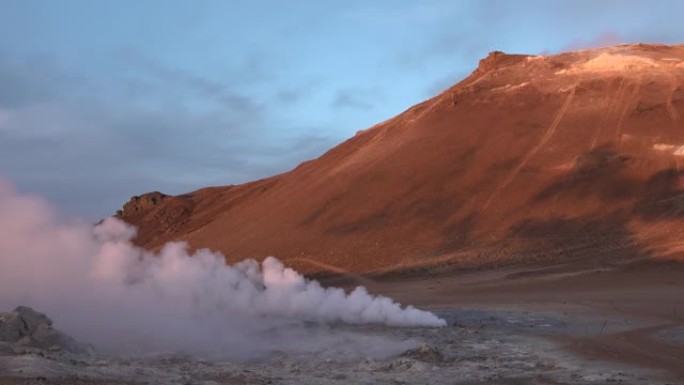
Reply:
x=619, y=324
x=623, y=313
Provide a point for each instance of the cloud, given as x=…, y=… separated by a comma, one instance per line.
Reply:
x=203, y=87
x=292, y=95
x=33, y=81
x=89, y=144
x=183, y=107
x=103, y=290
x=354, y=98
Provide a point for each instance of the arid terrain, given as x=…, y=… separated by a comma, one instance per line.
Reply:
x=537, y=206
x=530, y=159
x=627, y=313
x=610, y=324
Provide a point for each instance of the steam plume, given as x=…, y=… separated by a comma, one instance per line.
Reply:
x=101, y=288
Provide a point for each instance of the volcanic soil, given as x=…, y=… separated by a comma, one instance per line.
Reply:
x=629, y=314
x=536, y=206
x=515, y=326
x=530, y=159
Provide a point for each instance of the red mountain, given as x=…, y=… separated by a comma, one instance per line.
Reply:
x=571, y=157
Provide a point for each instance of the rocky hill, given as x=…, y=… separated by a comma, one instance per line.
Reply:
x=530, y=159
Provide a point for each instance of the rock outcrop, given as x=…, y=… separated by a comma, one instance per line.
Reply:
x=26, y=330
x=140, y=204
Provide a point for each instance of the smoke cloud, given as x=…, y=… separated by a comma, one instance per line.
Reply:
x=100, y=288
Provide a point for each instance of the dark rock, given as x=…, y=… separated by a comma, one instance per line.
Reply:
x=21, y=323
x=26, y=330
x=141, y=203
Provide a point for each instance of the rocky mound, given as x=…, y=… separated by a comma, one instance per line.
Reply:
x=25, y=330
x=531, y=159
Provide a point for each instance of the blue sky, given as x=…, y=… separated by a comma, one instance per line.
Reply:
x=102, y=100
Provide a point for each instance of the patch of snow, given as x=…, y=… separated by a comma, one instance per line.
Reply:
x=676, y=150
x=663, y=147
x=607, y=62
x=510, y=87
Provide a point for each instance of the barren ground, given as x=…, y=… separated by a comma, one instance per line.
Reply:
x=530, y=159
x=606, y=324
x=628, y=315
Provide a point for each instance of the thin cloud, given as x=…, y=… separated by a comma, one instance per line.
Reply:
x=353, y=98
x=292, y=95
x=90, y=152
x=33, y=81
x=203, y=87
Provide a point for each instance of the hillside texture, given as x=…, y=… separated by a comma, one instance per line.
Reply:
x=531, y=159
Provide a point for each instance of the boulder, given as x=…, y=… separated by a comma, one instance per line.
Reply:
x=25, y=329
x=23, y=322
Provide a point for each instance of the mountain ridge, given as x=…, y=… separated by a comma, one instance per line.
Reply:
x=530, y=159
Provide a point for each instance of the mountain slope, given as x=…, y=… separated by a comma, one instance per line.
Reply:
x=571, y=157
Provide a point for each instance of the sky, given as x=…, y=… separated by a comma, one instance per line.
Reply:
x=103, y=100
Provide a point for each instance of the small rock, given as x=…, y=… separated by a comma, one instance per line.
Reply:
x=401, y=364
x=425, y=353
x=21, y=324
x=27, y=331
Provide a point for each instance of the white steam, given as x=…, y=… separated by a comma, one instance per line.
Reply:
x=100, y=288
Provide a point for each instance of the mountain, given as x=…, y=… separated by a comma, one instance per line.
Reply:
x=554, y=159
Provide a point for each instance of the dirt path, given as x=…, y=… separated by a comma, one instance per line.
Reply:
x=630, y=103
x=615, y=100
x=674, y=115
x=542, y=142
